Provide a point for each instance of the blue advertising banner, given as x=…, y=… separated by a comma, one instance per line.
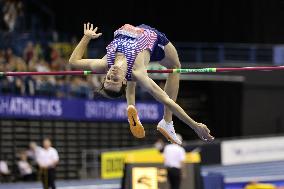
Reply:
x=75, y=109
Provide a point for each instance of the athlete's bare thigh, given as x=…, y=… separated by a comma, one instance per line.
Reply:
x=171, y=60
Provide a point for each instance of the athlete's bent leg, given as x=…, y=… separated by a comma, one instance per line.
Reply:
x=171, y=61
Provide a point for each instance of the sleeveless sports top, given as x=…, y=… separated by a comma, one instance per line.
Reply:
x=130, y=41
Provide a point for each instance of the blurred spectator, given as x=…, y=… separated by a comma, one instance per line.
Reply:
x=45, y=86
x=32, y=154
x=2, y=57
x=160, y=145
x=57, y=62
x=42, y=85
x=47, y=160
x=4, y=171
x=29, y=85
x=62, y=87
x=29, y=52
x=79, y=87
x=14, y=63
x=54, y=54
x=41, y=66
x=9, y=55
x=25, y=169
x=51, y=86
x=19, y=81
x=33, y=151
x=174, y=156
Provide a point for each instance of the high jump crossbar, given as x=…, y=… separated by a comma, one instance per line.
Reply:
x=182, y=71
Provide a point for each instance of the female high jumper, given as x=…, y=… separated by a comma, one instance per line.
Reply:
x=125, y=64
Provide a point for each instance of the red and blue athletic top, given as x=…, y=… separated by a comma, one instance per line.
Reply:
x=131, y=40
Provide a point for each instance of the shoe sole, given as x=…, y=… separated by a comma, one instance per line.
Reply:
x=165, y=133
x=136, y=127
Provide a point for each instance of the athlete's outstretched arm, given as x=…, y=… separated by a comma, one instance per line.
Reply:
x=142, y=78
x=76, y=60
x=130, y=93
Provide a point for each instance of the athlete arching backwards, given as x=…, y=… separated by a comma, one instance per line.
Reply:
x=125, y=65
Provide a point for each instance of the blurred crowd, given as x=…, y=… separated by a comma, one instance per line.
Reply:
x=30, y=163
x=38, y=59
x=18, y=55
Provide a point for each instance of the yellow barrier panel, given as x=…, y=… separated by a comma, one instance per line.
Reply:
x=112, y=163
x=193, y=157
x=260, y=186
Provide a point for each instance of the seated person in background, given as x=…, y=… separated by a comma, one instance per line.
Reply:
x=159, y=145
x=25, y=169
x=4, y=171
x=33, y=150
x=32, y=154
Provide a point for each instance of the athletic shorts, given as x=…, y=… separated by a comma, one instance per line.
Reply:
x=158, y=53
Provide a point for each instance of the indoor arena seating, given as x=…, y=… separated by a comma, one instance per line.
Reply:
x=188, y=52
x=70, y=138
x=225, y=53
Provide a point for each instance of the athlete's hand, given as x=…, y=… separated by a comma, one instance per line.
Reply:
x=203, y=132
x=90, y=31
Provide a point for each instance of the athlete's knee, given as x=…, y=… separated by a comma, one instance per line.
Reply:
x=176, y=60
x=171, y=60
x=173, y=64
x=176, y=64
